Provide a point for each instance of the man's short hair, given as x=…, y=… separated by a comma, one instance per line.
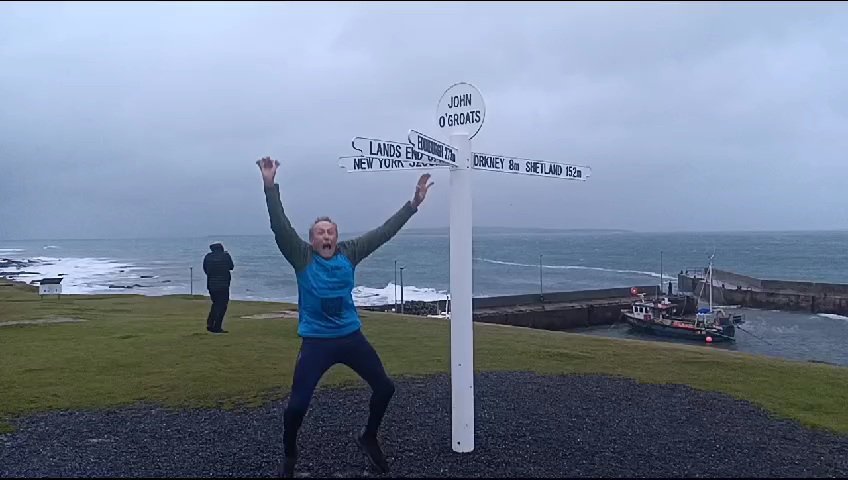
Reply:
x=321, y=219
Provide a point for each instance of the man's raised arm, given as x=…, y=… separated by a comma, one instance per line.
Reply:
x=359, y=248
x=289, y=242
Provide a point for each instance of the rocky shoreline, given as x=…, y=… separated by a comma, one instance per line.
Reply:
x=26, y=267
x=20, y=268
x=6, y=263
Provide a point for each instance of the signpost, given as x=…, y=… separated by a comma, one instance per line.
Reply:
x=459, y=115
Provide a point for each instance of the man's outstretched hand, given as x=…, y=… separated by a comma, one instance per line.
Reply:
x=421, y=190
x=268, y=168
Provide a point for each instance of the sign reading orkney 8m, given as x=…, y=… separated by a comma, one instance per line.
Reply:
x=524, y=166
x=461, y=110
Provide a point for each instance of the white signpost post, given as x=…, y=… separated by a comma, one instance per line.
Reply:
x=459, y=115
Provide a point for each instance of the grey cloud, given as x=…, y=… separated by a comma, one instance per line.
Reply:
x=719, y=116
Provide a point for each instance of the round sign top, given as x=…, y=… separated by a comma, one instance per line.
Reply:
x=461, y=110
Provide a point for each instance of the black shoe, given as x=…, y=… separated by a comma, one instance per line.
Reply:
x=371, y=448
x=219, y=331
x=286, y=468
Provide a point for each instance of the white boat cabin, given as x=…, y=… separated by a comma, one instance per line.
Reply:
x=651, y=311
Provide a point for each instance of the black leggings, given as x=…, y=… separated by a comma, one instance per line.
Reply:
x=220, y=299
x=315, y=358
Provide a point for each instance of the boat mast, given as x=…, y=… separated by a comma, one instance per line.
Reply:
x=711, y=282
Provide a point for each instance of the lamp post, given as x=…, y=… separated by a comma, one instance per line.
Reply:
x=541, y=289
x=396, y=286
x=401, y=290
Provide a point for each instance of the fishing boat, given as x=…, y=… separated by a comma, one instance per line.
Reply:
x=661, y=317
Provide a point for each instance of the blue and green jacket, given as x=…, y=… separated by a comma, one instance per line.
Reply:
x=325, y=286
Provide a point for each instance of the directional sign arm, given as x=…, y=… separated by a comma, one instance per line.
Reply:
x=388, y=150
x=425, y=145
x=376, y=164
x=524, y=166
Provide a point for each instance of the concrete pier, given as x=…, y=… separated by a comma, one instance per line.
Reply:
x=733, y=289
x=560, y=310
x=566, y=310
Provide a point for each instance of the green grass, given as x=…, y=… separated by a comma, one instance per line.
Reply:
x=155, y=349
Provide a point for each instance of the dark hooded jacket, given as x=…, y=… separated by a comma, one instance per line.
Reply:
x=217, y=265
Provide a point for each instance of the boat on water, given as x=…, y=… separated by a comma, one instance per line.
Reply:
x=661, y=317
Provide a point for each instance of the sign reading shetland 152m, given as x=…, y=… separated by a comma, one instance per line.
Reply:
x=460, y=115
x=497, y=163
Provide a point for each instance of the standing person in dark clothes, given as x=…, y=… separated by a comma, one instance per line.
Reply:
x=217, y=265
x=328, y=321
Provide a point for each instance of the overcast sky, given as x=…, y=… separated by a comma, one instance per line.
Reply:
x=129, y=120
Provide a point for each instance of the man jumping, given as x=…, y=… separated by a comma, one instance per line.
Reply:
x=328, y=321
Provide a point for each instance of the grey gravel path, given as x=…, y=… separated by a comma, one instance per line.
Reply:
x=527, y=426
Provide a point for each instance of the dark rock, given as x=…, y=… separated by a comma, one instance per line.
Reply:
x=9, y=263
x=135, y=285
x=419, y=308
x=412, y=307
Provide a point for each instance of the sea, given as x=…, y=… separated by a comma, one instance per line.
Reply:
x=505, y=262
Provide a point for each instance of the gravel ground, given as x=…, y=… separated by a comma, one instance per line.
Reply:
x=527, y=426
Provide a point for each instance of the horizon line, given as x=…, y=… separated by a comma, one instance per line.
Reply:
x=446, y=228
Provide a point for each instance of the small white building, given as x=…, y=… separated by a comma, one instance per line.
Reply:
x=50, y=286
